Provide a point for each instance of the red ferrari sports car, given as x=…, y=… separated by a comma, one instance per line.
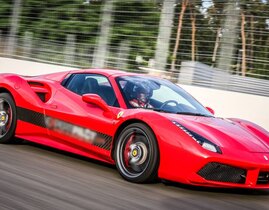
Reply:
x=149, y=127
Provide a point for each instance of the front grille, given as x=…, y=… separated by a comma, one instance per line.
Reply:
x=223, y=173
x=263, y=178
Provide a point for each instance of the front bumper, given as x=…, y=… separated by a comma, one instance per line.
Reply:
x=232, y=169
x=226, y=172
x=223, y=175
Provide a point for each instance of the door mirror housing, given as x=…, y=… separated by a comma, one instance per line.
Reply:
x=210, y=110
x=96, y=100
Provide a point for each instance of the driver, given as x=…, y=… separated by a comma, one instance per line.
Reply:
x=142, y=95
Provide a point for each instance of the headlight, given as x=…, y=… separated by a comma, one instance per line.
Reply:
x=206, y=144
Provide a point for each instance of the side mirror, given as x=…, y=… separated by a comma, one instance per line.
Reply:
x=96, y=100
x=210, y=110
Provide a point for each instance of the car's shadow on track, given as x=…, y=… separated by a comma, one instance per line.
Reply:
x=238, y=191
x=250, y=192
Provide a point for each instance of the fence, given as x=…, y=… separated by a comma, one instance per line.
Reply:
x=132, y=35
x=195, y=73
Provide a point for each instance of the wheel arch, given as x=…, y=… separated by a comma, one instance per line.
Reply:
x=120, y=129
x=6, y=90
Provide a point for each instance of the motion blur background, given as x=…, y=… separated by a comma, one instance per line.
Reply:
x=218, y=50
x=210, y=43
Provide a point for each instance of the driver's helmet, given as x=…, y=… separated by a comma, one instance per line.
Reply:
x=143, y=92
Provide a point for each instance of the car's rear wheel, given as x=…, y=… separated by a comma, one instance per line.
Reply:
x=137, y=154
x=8, y=119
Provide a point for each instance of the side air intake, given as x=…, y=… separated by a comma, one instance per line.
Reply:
x=223, y=173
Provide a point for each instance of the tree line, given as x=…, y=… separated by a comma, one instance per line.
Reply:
x=231, y=35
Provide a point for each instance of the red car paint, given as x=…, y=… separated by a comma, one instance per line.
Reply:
x=243, y=144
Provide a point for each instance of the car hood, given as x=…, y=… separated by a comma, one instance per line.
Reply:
x=223, y=132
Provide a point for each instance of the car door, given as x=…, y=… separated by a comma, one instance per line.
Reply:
x=85, y=127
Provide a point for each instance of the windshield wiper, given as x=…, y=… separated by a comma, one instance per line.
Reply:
x=193, y=114
x=160, y=110
x=156, y=109
x=183, y=113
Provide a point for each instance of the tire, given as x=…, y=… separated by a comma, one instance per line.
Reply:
x=8, y=119
x=137, y=154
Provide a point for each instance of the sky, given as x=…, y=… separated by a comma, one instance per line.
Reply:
x=207, y=3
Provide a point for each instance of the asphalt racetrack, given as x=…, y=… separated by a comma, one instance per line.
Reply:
x=35, y=177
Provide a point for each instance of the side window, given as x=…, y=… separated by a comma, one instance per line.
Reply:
x=92, y=83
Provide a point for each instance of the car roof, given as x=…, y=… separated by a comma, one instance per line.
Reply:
x=59, y=76
x=106, y=72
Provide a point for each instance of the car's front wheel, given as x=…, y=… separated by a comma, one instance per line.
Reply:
x=137, y=154
x=8, y=119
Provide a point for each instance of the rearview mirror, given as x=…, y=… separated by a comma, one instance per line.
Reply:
x=96, y=100
x=210, y=110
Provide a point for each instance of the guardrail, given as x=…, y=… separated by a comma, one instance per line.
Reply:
x=195, y=73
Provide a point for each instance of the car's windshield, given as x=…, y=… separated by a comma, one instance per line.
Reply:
x=159, y=95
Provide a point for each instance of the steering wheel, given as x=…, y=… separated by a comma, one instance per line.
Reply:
x=168, y=102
